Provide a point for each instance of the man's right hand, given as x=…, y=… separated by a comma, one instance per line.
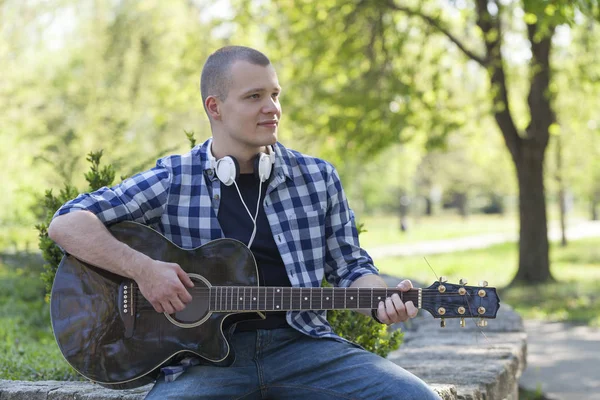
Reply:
x=164, y=286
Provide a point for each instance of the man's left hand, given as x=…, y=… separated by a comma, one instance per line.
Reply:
x=393, y=310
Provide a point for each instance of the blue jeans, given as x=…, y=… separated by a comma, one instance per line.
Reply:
x=286, y=364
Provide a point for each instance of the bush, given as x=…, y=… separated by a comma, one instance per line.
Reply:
x=97, y=177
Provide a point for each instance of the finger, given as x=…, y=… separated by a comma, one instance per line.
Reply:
x=405, y=285
x=381, y=314
x=185, y=296
x=157, y=307
x=184, y=277
x=168, y=308
x=399, y=306
x=391, y=310
x=411, y=310
x=177, y=304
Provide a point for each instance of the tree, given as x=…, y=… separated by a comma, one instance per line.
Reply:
x=391, y=74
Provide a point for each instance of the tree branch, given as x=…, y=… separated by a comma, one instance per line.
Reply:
x=438, y=26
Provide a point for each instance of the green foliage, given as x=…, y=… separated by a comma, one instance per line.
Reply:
x=190, y=138
x=365, y=331
x=97, y=177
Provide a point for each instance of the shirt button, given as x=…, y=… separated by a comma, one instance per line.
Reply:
x=216, y=197
x=210, y=172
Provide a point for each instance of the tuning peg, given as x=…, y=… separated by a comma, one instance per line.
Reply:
x=482, y=322
x=483, y=283
x=463, y=282
x=443, y=279
x=462, y=323
x=442, y=323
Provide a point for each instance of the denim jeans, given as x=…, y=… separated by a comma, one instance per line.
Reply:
x=286, y=364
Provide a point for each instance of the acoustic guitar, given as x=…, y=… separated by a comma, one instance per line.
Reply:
x=109, y=333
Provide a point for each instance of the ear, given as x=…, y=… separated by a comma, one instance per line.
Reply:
x=212, y=107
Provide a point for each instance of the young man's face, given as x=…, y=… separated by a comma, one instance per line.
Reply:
x=250, y=114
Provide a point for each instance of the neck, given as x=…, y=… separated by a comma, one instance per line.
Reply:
x=244, y=155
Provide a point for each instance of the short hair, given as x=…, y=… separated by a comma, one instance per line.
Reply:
x=215, y=78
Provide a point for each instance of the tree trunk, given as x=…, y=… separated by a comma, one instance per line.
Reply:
x=562, y=195
x=533, y=235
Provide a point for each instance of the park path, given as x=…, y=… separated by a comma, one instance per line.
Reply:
x=577, y=230
x=563, y=360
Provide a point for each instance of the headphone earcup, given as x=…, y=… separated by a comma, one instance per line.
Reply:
x=263, y=165
x=227, y=170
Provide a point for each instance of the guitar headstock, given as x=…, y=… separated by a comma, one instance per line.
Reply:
x=449, y=300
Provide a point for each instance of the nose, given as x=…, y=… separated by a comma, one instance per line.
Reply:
x=272, y=106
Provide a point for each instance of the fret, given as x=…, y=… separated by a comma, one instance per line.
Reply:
x=261, y=299
x=328, y=299
x=321, y=299
x=286, y=299
x=281, y=301
x=237, y=299
x=310, y=294
x=249, y=300
x=345, y=295
x=220, y=299
x=210, y=298
x=372, y=299
x=273, y=303
x=232, y=298
x=357, y=298
x=227, y=298
x=267, y=297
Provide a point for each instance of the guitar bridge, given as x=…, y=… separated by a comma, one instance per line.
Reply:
x=126, y=303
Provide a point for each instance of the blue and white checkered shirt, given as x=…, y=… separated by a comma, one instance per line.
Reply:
x=305, y=204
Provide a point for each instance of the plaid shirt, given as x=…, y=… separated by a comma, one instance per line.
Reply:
x=305, y=204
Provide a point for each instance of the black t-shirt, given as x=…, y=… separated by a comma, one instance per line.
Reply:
x=236, y=224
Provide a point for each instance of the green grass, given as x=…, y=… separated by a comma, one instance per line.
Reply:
x=28, y=350
x=385, y=229
x=574, y=297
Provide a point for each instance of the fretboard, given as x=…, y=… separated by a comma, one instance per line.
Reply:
x=244, y=298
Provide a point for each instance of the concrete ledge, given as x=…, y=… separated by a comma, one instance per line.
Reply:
x=459, y=363
x=466, y=363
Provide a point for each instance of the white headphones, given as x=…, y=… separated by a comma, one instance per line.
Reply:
x=227, y=169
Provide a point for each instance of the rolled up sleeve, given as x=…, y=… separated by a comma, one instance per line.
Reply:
x=141, y=198
x=345, y=260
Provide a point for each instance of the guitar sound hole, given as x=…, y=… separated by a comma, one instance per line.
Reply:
x=197, y=309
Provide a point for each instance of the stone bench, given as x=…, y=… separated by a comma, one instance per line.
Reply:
x=467, y=363
x=459, y=363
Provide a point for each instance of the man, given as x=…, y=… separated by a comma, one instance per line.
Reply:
x=290, y=210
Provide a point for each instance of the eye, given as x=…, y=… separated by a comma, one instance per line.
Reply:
x=275, y=95
x=254, y=96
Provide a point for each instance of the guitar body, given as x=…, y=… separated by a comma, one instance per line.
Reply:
x=121, y=349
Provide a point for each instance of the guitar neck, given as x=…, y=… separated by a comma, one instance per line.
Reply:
x=244, y=298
